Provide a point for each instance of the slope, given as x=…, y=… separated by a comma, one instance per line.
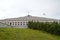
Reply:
x=25, y=34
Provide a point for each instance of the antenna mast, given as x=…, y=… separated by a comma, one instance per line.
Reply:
x=28, y=12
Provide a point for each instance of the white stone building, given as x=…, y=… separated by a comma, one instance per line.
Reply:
x=21, y=22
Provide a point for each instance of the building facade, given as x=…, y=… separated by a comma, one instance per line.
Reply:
x=21, y=22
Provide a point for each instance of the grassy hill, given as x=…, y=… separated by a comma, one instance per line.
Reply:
x=25, y=34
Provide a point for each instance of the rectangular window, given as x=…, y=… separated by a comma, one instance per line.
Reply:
x=23, y=23
x=18, y=23
x=13, y=23
x=10, y=23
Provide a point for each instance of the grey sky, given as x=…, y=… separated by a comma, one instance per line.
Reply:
x=18, y=8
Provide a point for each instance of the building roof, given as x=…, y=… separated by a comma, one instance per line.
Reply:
x=29, y=18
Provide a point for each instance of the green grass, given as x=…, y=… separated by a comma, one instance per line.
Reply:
x=25, y=34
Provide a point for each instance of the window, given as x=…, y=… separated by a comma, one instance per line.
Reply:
x=10, y=23
x=23, y=23
x=13, y=23
x=18, y=23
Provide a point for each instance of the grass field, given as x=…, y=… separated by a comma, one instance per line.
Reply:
x=25, y=34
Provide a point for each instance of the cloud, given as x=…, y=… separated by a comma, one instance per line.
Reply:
x=17, y=8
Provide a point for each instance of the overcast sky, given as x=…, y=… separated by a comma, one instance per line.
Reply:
x=18, y=8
